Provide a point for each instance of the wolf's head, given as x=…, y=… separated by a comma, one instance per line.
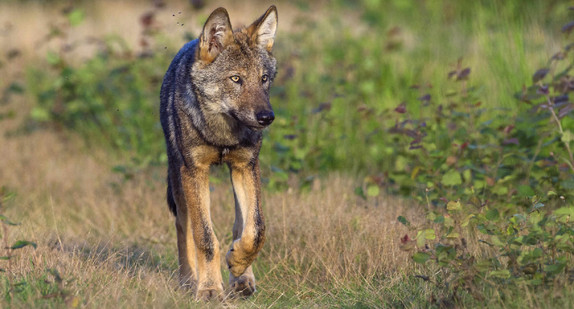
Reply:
x=233, y=70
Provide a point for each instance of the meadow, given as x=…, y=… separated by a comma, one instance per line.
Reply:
x=421, y=155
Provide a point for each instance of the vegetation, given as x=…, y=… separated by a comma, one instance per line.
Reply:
x=461, y=110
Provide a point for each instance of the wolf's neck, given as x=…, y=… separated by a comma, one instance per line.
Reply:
x=222, y=129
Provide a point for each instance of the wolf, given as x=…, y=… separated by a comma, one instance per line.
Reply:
x=214, y=105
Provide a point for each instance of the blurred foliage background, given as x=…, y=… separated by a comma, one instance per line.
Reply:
x=344, y=66
x=399, y=92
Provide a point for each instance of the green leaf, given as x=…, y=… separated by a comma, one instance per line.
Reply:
x=7, y=221
x=537, y=252
x=23, y=243
x=76, y=17
x=453, y=235
x=421, y=257
x=503, y=274
x=525, y=191
x=554, y=268
x=52, y=58
x=451, y=178
x=360, y=192
x=448, y=221
x=564, y=213
x=420, y=239
x=500, y=190
x=403, y=220
x=40, y=114
x=453, y=206
x=373, y=190
x=492, y=214
x=467, y=219
x=429, y=234
x=567, y=137
x=15, y=88
x=496, y=241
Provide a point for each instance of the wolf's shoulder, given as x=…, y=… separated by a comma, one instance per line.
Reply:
x=179, y=67
x=184, y=56
x=187, y=50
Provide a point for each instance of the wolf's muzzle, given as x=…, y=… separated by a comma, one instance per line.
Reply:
x=265, y=118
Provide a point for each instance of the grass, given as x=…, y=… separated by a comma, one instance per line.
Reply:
x=114, y=245
x=105, y=242
x=105, y=237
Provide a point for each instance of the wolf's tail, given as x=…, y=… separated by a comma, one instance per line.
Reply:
x=171, y=201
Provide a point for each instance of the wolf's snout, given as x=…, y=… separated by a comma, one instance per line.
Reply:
x=265, y=118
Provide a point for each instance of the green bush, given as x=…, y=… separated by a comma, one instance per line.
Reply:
x=505, y=180
x=333, y=97
x=111, y=99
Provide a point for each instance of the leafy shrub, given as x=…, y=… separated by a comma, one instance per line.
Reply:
x=111, y=98
x=503, y=178
x=332, y=117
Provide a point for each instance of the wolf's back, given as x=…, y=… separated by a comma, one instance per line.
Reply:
x=176, y=78
x=175, y=87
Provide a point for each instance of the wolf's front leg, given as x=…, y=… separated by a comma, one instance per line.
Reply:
x=195, y=183
x=249, y=228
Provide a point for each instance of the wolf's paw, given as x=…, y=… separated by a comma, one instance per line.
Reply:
x=243, y=285
x=208, y=294
x=237, y=270
x=236, y=265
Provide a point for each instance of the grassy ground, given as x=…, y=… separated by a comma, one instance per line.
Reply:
x=106, y=239
x=108, y=243
x=113, y=242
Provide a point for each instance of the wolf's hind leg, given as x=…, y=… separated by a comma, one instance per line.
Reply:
x=186, y=255
x=185, y=245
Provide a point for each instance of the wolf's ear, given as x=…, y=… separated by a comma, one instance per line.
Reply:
x=216, y=35
x=263, y=29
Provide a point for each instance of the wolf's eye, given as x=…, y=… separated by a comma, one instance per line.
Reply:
x=235, y=79
x=264, y=78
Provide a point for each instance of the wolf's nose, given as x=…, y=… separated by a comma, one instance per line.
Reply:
x=265, y=118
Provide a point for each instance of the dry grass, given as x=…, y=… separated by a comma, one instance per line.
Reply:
x=113, y=243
